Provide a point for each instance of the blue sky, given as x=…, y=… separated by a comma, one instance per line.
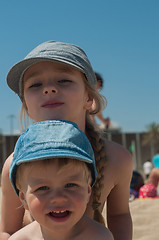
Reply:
x=120, y=37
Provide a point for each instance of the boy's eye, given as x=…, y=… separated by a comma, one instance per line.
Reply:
x=70, y=185
x=35, y=85
x=43, y=188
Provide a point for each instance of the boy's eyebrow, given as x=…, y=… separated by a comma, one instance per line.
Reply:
x=74, y=176
x=36, y=181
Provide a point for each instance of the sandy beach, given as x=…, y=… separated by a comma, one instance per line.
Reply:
x=145, y=216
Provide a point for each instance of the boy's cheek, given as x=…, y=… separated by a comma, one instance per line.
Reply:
x=34, y=205
x=23, y=200
x=82, y=196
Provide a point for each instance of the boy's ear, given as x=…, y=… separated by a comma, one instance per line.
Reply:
x=23, y=200
x=89, y=192
x=89, y=102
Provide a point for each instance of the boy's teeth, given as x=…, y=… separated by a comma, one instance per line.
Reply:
x=59, y=214
x=58, y=211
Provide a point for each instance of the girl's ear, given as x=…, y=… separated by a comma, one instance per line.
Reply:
x=88, y=102
x=23, y=200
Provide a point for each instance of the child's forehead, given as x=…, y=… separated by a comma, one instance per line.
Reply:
x=58, y=163
x=52, y=65
x=67, y=168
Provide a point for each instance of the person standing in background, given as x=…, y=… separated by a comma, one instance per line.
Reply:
x=155, y=160
x=147, y=167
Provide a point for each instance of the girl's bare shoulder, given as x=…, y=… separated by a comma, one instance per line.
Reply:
x=116, y=153
x=7, y=163
x=97, y=231
x=5, y=169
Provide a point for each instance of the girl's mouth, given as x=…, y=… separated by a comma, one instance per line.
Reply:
x=52, y=104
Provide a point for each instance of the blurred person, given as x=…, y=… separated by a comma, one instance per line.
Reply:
x=137, y=181
x=149, y=189
x=105, y=122
x=147, y=167
x=155, y=160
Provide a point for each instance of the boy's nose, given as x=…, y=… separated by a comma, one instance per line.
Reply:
x=58, y=197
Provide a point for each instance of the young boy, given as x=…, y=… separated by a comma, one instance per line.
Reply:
x=52, y=172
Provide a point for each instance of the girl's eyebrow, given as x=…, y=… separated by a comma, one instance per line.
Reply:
x=60, y=69
x=31, y=75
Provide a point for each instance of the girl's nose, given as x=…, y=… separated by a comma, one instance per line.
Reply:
x=49, y=90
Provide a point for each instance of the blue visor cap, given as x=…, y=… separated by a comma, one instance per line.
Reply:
x=66, y=53
x=52, y=139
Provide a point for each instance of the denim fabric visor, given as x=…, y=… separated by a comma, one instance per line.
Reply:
x=52, y=139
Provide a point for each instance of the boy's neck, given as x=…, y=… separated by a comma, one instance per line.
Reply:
x=75, y=233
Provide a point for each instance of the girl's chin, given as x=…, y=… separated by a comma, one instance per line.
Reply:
x=46, y=118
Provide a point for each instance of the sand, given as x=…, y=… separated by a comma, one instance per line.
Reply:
x=145, y=216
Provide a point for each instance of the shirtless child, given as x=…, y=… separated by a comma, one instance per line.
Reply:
x=52, y=172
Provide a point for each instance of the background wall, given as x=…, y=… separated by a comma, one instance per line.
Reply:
x=131, y=141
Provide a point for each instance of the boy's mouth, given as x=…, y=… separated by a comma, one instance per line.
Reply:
x=59, y=214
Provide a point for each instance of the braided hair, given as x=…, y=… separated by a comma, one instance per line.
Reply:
x=98, y=145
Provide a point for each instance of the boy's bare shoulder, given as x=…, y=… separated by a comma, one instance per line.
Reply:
x=98, y=231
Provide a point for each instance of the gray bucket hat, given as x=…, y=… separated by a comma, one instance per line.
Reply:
x=52, y=139
x=51, y=51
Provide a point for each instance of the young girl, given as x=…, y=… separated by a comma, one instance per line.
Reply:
x=56, y=81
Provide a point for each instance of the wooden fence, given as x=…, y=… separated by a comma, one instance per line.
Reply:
x=131, y=141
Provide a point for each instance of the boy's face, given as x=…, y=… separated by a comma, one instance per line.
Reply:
x=55, y=91
x=56, y=197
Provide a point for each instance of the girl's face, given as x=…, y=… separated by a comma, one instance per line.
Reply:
x=56, y=91
x=56, y=197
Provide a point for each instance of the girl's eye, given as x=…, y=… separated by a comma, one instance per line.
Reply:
x=35, y=85
x=70, y=185
x=64, y=81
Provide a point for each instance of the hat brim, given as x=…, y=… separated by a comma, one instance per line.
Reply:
x=15, y=75
x=55, y=154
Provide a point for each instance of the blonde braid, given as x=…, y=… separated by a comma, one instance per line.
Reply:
x=98, y=146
